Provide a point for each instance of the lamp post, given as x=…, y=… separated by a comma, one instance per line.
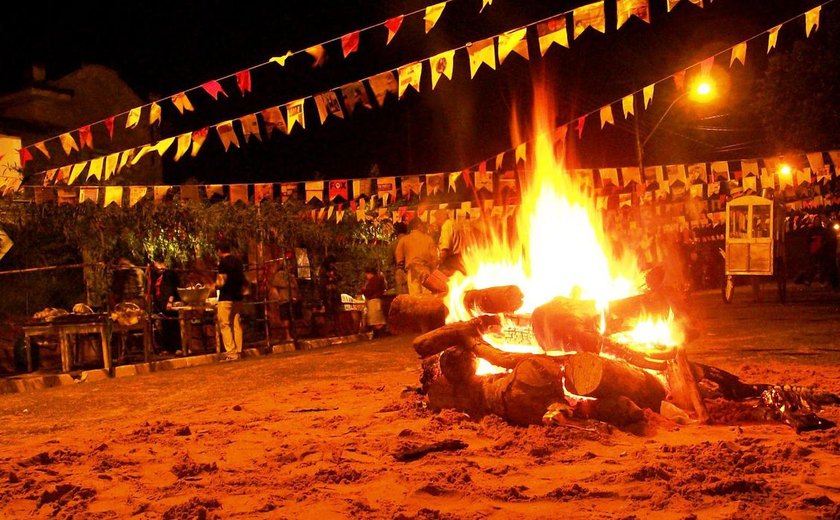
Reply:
x=702, y=92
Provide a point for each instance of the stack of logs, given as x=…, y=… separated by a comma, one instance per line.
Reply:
x=578, y=379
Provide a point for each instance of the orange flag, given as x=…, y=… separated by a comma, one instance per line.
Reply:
x=154, y=113
x=198, y=138
x=42, y=147
x=773, y=38
x=184, y=142
x=227, y=134
x=68, y=143
x=812, y=20
x=350, y=43
x=182, y=102
x=273, y=120
x=86, y=137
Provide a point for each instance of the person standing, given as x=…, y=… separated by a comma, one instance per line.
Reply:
x=373, y=290
x=329, y=279
x=400, y=276
x=164, y=295
x=449, y=244
x=417, y=255
x=230, y=282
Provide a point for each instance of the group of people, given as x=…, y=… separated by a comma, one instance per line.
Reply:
x=417, y=255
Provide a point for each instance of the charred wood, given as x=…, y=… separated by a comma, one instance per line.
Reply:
x=494, y=300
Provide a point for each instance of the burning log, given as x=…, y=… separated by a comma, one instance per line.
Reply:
x=566, y=324
x=520, y=397
x=416, y=314
x=684, y=390
x=591, y=375
x=463, y=334
x=494, y=300
x=458, y=364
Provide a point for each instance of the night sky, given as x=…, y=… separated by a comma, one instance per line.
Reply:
x=160, y=48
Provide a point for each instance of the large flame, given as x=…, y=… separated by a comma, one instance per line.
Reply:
x=558, y=246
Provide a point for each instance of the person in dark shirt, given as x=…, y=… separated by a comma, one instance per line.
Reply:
x=230, y=282
x=373, y=291
x=164, y=295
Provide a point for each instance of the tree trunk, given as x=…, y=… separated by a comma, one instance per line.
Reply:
x=593, y=376
x=494, y=300
x=416, y=314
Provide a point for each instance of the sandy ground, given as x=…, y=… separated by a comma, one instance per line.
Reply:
x=311, y=435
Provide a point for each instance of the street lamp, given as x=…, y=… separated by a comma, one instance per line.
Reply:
x=702, y=91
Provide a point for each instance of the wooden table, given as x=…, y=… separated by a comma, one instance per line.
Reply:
x=63, y=331
x=144, y=326
x=185, y=314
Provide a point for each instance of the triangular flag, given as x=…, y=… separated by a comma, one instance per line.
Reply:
x=338, y=189
x=113, y=195
x=382, y=84
x=513, y=41
x=319, y=53
x=481, y=52
x=77, y=170
x=95, y=169
x=393, y=25
x=748, y=168
x=63, y=173
x=314, y=190
x=520, y=153
x=739, y=52
x=453, y=178
x=243, y=81
x=551, y=32
x=815, y=161
x=606, y=115
x=184, y=142
x=238, y=193
x=109, y=125
x=386, y=188
x=410, y=77
x=25, y=156
x=327, y=103
x=499, y=160
x=330, y=211
x=647, y=93
x=68, y=143
x=144, y=150
x=627, y=103
x=262, y=192
x=679, y=79
x=441, y=65
x=85, y=137
x=41, y=147
x=608, y=174
x=294, y=114
x=581, y=121
x=154, y=113
x=355, y=95
x=250, y=127
x=706, y=66
x=111, y=165
x=485, y=3
x=227, y=134
x=214, y=88
x=89, y=195
x=627, y=8
x=124, y=158
x=281, y=60
x=182, y=102
x=432, y=15
x=350, y=43
x=362, y=188
x=133, y=118
x=773, y=38
x=339, y=215
x=410, y=185
x=198, y=138
x=162, y=146
x=434, y=183
x=720, y=171
x=215, y=190
x=273, y=120
x=591, y=15
x=136, y=194
x=812, y=20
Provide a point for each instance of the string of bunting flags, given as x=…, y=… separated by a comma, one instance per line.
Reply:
x=343, y=100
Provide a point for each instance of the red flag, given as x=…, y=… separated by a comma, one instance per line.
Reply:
x=243, y=79
x=338, y=189
x=350, y=43
x=86, y=137
x=679, y=79
x=580, y=122
x=25, y=155
x=109, y=124
x=393, y=25
x=214, y=89
x=467, y=178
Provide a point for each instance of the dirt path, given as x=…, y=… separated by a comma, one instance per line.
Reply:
x=311, y=435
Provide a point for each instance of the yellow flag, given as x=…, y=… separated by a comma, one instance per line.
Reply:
x=182, y=102
x=552, y=31
x=608, y=174
x=627, y=8
x=481, y=52
x=281, y=60
x=124, y=158
x=520, y=153
x=441, y=65
x=410, y=77
x=95, y=169
x=41, y=147
x=773, y=38
x=198, y=138
x=154, y=116
x=629, y=175
x=513, y=41
x=227, y=134
x=485, y=3
x=184, y=142
x=591, y=15
x=627, y=105
x=77, y=170
x=133, y=117
x=433, y=12
x=294, y=114
x=145, y=149
x=647, y=93
x=111, y=164
x=739, y=52
x=607, y=115
x=68, y=143
x=812, y=20
x=136, y=194
x=162, y=146
x=113, y=195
